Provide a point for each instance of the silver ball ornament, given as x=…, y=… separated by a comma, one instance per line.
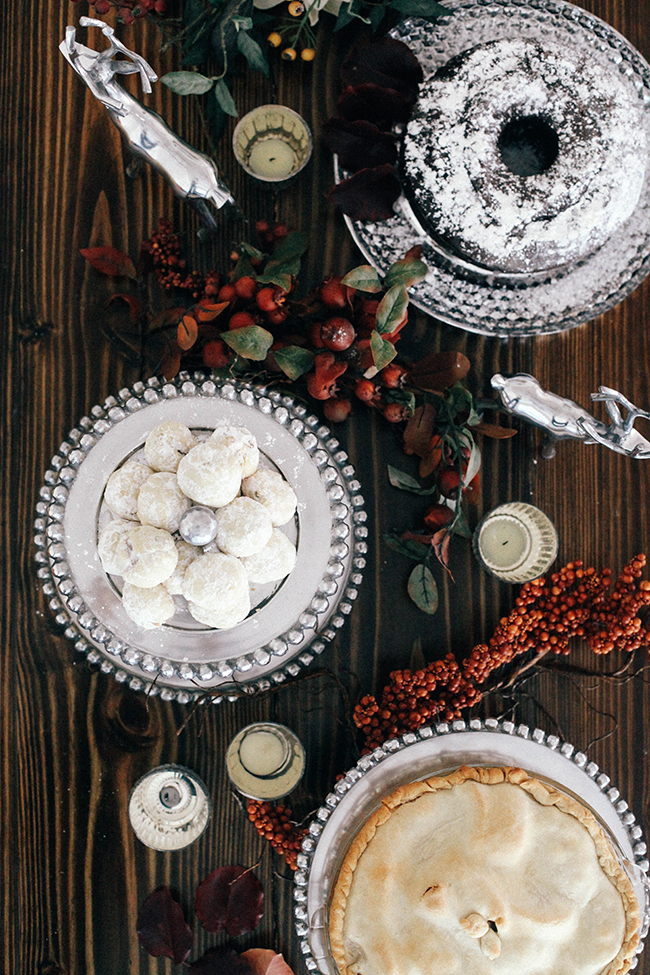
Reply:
x=198, y=526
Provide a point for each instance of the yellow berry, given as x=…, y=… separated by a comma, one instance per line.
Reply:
x=308, y=54
x=274, y=39
x=289, y=54
x=296, y=8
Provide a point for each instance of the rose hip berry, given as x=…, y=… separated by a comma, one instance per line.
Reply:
x=241, y=319
x=393, y=375
x=394, y=412
x=227, y=293
x=449, y=482
x=365, y=390
x=337, y=409
x=266, y=299
x=337, y=334
x=438, y=516
x=215, y=354
x=245, y=287
x=332, y=293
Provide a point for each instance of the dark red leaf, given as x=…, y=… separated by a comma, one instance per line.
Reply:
x=419, y=430
x=134, y=304
x=493, y=430
x=187, y=332
x=383, y=61
x=440, y=370
x=422, y=537
x=440, y=545
x=230, y=899
x=162, y=928
x=108, y=260
x=264, y=961
x=369, y=194
x=171, y=360
x=359, y=145
x=207, y=311
x=221, y=961
x=383, y=106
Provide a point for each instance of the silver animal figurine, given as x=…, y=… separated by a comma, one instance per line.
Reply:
x=563, y=419
x=192, y=174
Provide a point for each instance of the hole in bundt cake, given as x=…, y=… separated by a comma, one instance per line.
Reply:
x=528, y=145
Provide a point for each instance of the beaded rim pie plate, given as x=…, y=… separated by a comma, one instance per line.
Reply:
x=292, y=621
x=463, y=294
x=435, y=751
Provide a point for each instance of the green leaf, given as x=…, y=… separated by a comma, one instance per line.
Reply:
x=243, y=268
x=284, y=263
x=251, y=251
x=382, y=350
x=225, y=99
x=404, y=397
x=377, y=14
x=392, y=308
x=198, y=26
x=423, y=590
x=407, y=483
x=252, y=52
x=427, y=9
x=406, y=273
x=460, y=526
x=364, y=278
x=294, y=360
x=187, y=82
x=344, y=17
x=412, y=550
x=243, y=23
x=252, y=342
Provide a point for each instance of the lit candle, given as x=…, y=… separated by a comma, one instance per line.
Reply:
x=516, y=542
x=265, y=761
x=272, y=158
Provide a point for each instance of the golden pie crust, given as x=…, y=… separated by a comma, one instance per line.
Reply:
x=483, y=871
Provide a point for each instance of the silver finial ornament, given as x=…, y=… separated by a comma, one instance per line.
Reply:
x=198, y=525
x=192, y=174
x=563, y=419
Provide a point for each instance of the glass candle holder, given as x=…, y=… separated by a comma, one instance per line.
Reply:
x=265, y=761
x=169, y=808
x=272, y=143
x=515, y=542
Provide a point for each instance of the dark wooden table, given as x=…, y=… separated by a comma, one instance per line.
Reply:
x=72, y=740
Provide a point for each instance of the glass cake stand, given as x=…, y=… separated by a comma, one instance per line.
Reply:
x=476, y=299
x=434, y=751
x=291, y=622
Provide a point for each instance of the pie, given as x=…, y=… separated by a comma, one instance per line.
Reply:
x=483, y=871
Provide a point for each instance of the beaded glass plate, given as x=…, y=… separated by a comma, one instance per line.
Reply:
x=434, y=751
x=460, y=293
x=290, y=622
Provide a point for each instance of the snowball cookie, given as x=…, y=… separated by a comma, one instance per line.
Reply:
x=239, y=441
x=123, y=487
x=217, y=618
x=166, y=444
x=243, y=527
x=271, y=490
x=161, y=502
x=152, y=556
x=273, y=562
x=112, y=548
x=186, y=554
x=216, y=582
x=147, y=607
x=210, y=474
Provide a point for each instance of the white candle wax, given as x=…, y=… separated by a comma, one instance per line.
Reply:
x=262, y=752
x=504, y=542
x=272, y=158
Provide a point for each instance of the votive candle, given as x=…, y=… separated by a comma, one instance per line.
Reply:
x=272, y=143
x=265, y=761
x=516, y=542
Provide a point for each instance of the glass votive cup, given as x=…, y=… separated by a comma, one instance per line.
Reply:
x=265, y=761
x=272, y=143
x=515, y=542
x=169, y=808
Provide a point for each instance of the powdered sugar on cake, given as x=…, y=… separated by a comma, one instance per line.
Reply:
x=461, y=187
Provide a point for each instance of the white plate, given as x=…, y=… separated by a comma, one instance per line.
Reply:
x=290, y=621
x=432, y=752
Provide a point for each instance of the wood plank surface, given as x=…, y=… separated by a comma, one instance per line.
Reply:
x=72, y=740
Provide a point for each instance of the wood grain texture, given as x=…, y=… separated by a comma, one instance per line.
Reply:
x=72, y=741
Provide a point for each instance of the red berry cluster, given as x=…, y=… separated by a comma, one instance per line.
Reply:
x=275, y=825
x=545, y=618
x=163, y=254
x=129, y=10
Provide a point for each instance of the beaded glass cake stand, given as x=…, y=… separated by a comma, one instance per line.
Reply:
x=291, y=621
x=460, y=293
x=434, y=751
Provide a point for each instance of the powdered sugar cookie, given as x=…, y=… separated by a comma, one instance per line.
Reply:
x=166, y=444
x=186, y=554
x=147, y=607
x=152, y=556
x=239, y=441
x=111, y=546
x=161, y=502
x=216, y=581
x=218, y=618
x=210, y=474
x=243, y=527
x=270, y=489
x=273, y=562
x=123, y=487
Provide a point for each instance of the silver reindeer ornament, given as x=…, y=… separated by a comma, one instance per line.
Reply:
x=192, y=174
x=564, y=419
